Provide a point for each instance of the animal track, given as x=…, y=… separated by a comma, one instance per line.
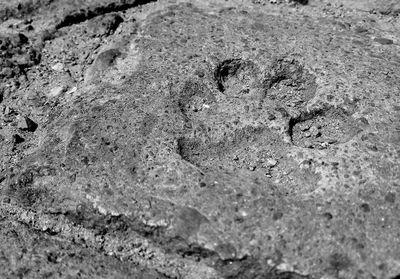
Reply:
x=235, y=77
x=194, y=97
x=232, y=132
x=322, y=127
x=246, y=148
x=289, y=83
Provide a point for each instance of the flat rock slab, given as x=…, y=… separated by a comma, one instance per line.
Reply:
x=206, y=139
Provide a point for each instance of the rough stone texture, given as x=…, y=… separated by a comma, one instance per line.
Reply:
x=199, y=139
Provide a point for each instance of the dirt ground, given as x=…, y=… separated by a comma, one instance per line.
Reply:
x=200, y=139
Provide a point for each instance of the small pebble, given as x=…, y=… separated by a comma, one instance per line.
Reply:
x=360, y=29
x=58, y=67
x=308, y=144
x=314, y=131
x=56, y=91
x=384, y=41
x=7, y=110
x=324, y=145
x=72, y=90
x=272, y=162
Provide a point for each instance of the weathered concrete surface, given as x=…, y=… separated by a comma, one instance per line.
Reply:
x=210, y=139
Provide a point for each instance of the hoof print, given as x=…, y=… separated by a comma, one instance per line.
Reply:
x=322, y=128
x=236, y=77
x=289, y=83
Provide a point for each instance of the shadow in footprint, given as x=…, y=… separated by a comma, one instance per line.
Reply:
x=236, y=77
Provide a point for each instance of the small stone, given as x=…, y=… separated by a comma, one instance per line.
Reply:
x=324, y=145
x=363, y=120
x=7, y=110
x=360, y=29
x=58, y=67
x=304, y=128
x=314, y=131
x=384, y=41
x=243, y=213
x=285, y=267
x=372, y=147
x=199, y=73
x=7, y=72
x=6, y=200
x=272, y=162
x=31, y=96
x=308, y=144
x=56, y=91
x=72, y=90
x=27, y=124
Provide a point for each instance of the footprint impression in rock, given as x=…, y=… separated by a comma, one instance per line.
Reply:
x=194, y=97
x=227, y=130
x=236, y=77
x=322, y=127
x=289, y=85
x=232, y=131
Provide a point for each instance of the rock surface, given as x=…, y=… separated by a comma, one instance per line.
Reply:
x=199, y=139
